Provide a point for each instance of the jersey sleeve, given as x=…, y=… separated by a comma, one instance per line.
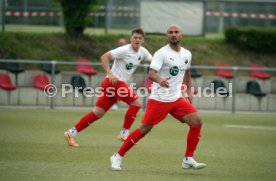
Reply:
x=118, y=53
x=157, y=61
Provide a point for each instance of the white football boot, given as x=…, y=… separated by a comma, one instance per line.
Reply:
x=189, y=162
x=115, y=162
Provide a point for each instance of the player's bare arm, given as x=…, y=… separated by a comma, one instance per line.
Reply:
x=155, y=77
x=187, y=82
x=105, y=59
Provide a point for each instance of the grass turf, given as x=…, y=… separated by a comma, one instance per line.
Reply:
x=33, y=148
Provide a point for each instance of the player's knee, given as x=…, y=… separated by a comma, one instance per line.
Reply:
x=99, y=112
x=196, y=121
x=136, y=103
x=145, y=128
x=192, y=119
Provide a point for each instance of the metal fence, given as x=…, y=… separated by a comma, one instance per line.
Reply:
x=143, y=71
x=2, y=14
x=125, y=14
x=225, y=13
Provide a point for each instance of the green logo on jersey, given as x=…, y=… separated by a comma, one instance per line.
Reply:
x=174, y=70
x=129, y=66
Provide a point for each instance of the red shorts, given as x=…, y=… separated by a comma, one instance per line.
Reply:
x=156, y=111
x=113, y=93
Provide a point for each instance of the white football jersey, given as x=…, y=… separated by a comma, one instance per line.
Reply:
x=126, y=61
x=170, y=63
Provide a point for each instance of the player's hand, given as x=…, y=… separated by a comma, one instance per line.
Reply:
x=112, y=79
x=164, y=82
x=190, y=99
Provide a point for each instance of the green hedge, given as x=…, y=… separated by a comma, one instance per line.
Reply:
x=252, y=39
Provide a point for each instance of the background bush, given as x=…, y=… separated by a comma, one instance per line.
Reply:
x=252, y=39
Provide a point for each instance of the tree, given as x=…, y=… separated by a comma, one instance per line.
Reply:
x=75, y=15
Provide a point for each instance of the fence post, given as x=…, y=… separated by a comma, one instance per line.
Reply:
x=3, y=15
x=145, y=78
x=106, y=17
x=234, y=89
x=52, y=98
x=26, y=9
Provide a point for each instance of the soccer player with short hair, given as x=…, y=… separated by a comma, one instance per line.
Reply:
x=169, y=69
x=114, y=87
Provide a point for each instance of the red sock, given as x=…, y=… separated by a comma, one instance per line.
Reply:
x=192, y=140
x=86, y=121
x=131, y=140
x=130, y=116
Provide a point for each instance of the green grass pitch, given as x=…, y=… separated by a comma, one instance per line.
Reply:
x=32, y=147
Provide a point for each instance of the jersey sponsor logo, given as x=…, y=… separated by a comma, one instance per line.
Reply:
x=174, y=70
x=129, y=66
x=139, y=59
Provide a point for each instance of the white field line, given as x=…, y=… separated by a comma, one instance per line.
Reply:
x=251, y=127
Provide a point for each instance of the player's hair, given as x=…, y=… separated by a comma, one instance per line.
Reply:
x=139, y=31
x=174, y=25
